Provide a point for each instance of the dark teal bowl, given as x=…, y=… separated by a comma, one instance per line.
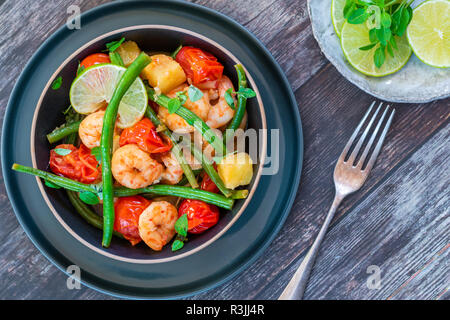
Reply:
x=66, y=239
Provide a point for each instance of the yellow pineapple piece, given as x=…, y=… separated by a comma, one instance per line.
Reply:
x=235, y=169
x=128, y=51
x=163, y=73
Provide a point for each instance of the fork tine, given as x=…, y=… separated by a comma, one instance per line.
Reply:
x=375, y=153
x=372, y=139
x=355, y=133
x=352, y=157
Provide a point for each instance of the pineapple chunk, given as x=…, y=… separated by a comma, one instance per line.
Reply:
x=128, y=51
x=235, y=170
x=163, y=73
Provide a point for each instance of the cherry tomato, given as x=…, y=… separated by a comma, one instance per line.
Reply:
x=95, y=58
x=207, y=184
x=79, y=165
x=200, y=67
x=127, y=211
x=201, y=215
x=144, y=135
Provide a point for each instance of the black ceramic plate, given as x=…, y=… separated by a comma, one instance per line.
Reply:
x=131, y=273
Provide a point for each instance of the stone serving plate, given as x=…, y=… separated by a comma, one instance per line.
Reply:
x=415, y=83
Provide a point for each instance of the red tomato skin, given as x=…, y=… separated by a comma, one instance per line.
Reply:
x=127, y=212
x=207, y=184
x=79, y=165
x=95, y=58
x=201, y=215
x=144, y=135
x=200, y=66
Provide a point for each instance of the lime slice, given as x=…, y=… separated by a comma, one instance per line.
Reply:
x=94, y=87
x=355, y=36
x=429, y=33
x=337, y=15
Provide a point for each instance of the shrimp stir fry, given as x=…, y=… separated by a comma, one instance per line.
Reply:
x=134, y=168
x=146, y=148
x=157, y=224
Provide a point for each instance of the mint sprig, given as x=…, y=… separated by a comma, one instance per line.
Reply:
x=391, y=18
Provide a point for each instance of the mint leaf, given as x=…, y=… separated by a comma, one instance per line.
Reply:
x=97, y=153
x=368, y=47
x=174, y=54
x=173, y=105
x=80, y=68
x=113, y=45
x=389, y=49
x=194, y=93
x=358, y=16
x=181, y=95
x=404, y=21
x=229, y=98
x=62, y=152
x=181, y=225
x=379, y=57
x=246, y=93
x=177, y=245
x=89, y=198
x=386, y=20
x=349, y=7
x=373, y=35
x=56, y=84
x=51, y=185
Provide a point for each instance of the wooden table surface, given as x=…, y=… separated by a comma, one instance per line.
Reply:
x=399, y=221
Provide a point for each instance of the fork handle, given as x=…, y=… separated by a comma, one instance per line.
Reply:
x=296, y=287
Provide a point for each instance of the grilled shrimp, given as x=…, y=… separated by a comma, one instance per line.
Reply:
x=178, y=124
x=90, y=130
x=134, y=168
x=221, y=113
x=157, y=224
x=173, y=173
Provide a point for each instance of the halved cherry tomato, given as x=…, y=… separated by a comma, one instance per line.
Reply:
x=201, y=67
x=127, y=211
x=79, y=165
x=144, y=135
x=201, y=215
x=207, y=184
x=95, y=58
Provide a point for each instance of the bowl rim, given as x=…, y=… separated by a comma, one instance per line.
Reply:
x=262, y=153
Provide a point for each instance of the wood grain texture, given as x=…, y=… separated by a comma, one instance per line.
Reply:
x=398, y=221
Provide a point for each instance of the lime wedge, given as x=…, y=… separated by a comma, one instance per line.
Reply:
x=355, y=36
x=94, y=87
x=337, y=15
x=429, y=33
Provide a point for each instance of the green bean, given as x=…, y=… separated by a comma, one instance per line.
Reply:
x=242, y=102
x=63, y=132
x=179, y=191
x=239, y=194
x=106, y=141
x=184, y=180
x=161, y=190
x=116, y=58
x=86, y=213
x=192, y=119
x=176, y=149
x=210, y=171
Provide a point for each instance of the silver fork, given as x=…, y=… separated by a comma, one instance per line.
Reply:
x=348, y=178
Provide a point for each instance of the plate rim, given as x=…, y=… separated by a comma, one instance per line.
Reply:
x=284, y=212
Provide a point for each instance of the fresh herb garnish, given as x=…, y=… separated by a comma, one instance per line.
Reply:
x=242, y=92
x=174, y=54
x=173, y=105
x=56, y=84
x=194, y=93
x=89, y=198
x=51, y=185
x=113, y=45
x=181, y=227
x=388, y=19
x=62, y=151
x=97, y=153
